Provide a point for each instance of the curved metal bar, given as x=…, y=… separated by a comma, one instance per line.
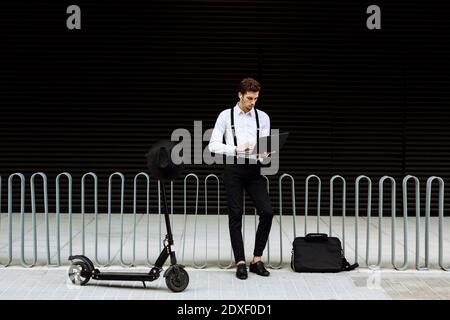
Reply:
x=405, y=208
x=1, y=208
x=22, y=210
x=9, y=222
x=280, y=199
x=344, y=190
x=201, y=266
x=268, y=242
x=22, y=224
x=218, y=217
x=147, y=177
x=122, y=191
x=159, y=214
x=369, y=207
x=83, y=233
x=318, y=200
x=441, y=216
x=33, y=210
x=280, y=195
x=58, y=214
x=380, y=221
x=404, y=266
x=185, y=210
x=148, y=262
x=218, y=220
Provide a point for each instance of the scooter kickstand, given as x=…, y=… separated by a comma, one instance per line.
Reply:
x=143, y=282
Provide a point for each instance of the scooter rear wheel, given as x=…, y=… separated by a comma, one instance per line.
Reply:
x=79, y=273
x=177, y=279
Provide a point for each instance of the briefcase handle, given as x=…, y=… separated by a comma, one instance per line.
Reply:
x=316, y=237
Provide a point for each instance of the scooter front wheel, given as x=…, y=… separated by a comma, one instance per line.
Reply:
x=79, y=273
x=177, y=279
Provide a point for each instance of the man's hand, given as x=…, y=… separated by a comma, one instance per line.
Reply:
x=264, y=154
x=244, y=147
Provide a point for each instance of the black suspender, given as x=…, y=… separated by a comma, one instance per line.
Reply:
x=257, y=133
x=233, y=131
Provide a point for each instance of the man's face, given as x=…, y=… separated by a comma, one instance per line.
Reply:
x=248, y=100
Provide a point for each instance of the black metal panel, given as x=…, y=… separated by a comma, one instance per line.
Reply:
x=356, y=101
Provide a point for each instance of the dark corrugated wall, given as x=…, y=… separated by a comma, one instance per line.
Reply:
x=356, y=101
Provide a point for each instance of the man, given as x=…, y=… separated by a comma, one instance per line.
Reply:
x=240, y=139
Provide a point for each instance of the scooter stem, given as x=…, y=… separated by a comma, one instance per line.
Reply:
x=166, y=216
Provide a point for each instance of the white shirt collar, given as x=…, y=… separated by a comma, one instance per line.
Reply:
x=239, y=111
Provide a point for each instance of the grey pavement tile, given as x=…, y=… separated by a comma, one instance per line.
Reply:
x=43, y=282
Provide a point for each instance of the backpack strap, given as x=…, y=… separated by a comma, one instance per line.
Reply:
x=346, y=266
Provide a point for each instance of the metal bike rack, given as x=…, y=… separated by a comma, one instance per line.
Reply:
x=185, y=210
x=318, y=200
x=1, y=265
x=218, y=219
x=343, y=207
x=159, y=214
x=369, y=207
x=83, y=233
x=33, y=210
x=280, y=197
x=405, y=204
x=58, y=213
x=9, y=227
x=441, y=215
x=206, y=233
x=380, y=221
x=22, y=210
x=147, y=178
x=281, y=235
x=32, y=232
x=404, y=266
x=195, y=232
x=122, y=191
x=22, y=227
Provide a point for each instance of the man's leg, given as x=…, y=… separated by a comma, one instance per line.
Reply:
x=234, y=189
x=257, y=190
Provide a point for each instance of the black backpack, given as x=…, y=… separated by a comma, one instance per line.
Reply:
x=316, y=252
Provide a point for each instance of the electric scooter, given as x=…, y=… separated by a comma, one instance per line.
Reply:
x=177, y=279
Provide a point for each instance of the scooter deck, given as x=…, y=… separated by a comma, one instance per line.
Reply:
x=130, y=276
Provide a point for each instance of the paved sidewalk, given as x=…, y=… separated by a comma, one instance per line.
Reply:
x=203, y=245
x=216, y=284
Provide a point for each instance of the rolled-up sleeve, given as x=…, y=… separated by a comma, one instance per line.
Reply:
x=216, y=144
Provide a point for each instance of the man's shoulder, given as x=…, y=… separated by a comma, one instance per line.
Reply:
x=262, y=114
x=225, y=113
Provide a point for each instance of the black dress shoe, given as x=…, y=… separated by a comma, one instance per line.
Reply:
x=259, y=269
x=241, y=271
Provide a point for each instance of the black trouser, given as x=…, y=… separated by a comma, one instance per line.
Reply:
x=238, y=177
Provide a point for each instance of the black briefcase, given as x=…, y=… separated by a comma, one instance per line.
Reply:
x=316, y=252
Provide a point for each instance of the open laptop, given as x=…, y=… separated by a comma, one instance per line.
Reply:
x=265, y=143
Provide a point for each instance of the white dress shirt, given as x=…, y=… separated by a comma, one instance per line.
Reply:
x=244, y=126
